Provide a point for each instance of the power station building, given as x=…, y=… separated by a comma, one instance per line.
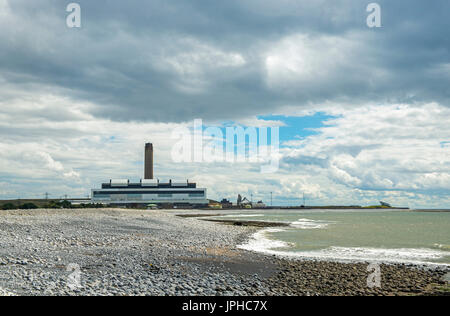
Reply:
x=177, y=193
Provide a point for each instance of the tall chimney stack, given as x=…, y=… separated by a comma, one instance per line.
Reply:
x=148, y=173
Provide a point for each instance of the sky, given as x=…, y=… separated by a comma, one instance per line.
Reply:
x=363, y=113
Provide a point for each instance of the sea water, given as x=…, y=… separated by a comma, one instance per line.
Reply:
x=396, y=236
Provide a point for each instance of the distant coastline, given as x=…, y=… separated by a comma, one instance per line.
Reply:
x=318, y=208
x=78, y=203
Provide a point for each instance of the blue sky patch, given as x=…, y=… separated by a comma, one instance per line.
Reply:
x=299, y=126
x=296, y=127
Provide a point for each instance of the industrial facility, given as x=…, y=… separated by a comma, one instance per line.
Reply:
x=150, y=191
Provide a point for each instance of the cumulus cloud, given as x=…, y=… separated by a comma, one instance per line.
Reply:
x=76, y=105
x=299, y=62
x=162, y=62
x=194, y=63
x=390, y=152
x=382, y=148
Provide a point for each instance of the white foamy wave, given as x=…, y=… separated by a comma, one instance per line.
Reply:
x=441, y=246
x=305, y=223
x=259, y=241
x=400, y=255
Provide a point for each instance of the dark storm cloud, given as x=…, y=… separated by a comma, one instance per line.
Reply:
x=178, y=60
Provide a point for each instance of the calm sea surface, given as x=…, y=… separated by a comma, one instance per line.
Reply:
x=353, y=235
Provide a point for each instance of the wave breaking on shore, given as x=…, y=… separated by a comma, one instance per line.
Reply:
x=304, y=223
x=262, y=243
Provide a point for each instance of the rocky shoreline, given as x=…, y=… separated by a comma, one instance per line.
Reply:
x=133, y=252
x=331, y=278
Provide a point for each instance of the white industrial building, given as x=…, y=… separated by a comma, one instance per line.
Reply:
x=150, y=191
x=177, y=193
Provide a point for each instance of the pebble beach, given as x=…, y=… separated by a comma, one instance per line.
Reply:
x=122, y=252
